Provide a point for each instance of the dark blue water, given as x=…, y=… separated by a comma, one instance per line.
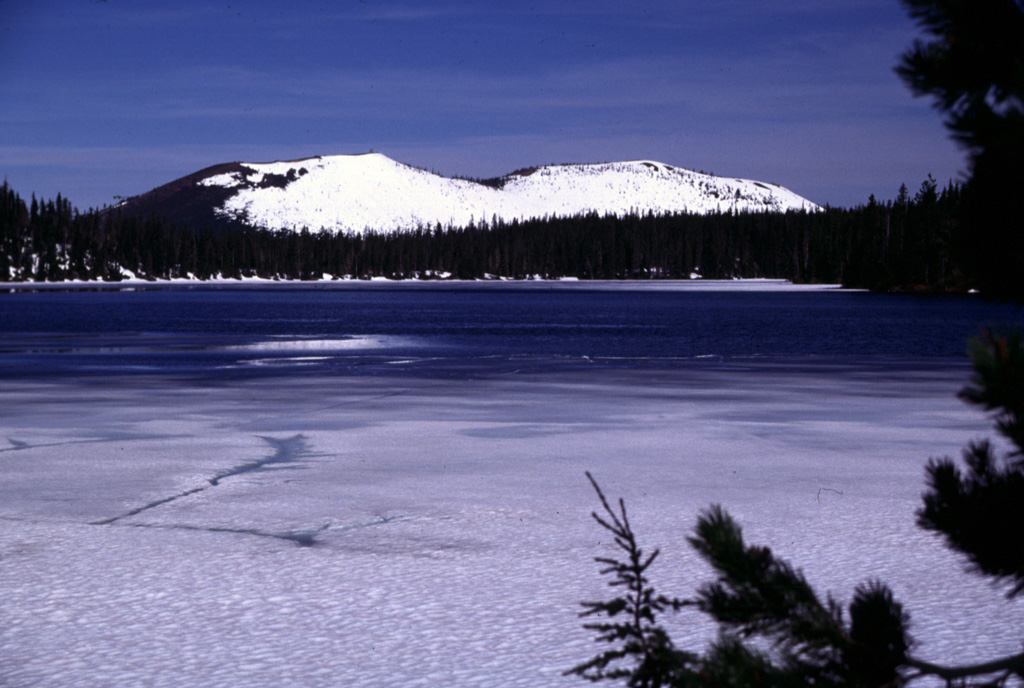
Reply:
x=466, y=330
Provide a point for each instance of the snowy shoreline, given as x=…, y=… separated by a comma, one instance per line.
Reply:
x=755, y=284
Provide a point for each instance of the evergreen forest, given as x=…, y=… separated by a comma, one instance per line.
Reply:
x=910, y=243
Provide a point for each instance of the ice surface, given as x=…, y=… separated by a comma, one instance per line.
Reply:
x=317, y=344
x=410, y=532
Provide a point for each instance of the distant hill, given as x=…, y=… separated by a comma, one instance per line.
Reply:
x=912, y=243
x=354, y=193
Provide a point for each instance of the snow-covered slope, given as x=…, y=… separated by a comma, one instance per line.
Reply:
x=355, y=193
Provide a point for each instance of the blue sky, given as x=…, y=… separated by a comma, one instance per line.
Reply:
x=102, y=98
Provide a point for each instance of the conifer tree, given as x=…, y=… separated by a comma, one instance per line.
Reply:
x=972, y=64
x=641, y=651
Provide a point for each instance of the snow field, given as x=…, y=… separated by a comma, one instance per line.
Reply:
x=356, y=193
x=152, y=527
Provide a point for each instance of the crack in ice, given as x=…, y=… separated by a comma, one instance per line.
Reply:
x=20, y=445
x=286, y=451
x=305, y=537
x=146, y=507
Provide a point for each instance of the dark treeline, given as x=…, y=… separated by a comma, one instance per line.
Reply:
x=906, y=243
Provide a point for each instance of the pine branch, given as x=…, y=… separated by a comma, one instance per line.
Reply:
x=757, y=594
x=1007, y=665
x=978, y=510
x=998, y=382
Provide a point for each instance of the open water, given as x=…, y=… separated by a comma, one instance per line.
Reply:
x=457, y=330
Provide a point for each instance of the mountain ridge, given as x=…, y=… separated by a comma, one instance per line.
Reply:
x=353, y=194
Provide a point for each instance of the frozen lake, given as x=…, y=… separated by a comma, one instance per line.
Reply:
x=413, y=515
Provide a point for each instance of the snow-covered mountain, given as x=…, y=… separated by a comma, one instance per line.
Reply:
x=371, y=192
